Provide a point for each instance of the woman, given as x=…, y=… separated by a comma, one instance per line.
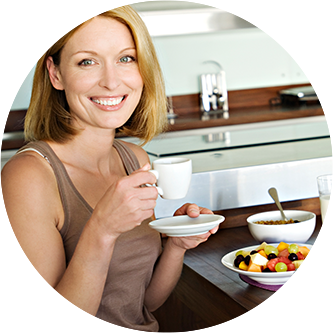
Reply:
x=74, y=194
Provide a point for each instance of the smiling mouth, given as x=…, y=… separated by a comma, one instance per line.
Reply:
x=108, y=101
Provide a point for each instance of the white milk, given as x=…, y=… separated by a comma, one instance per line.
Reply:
x=326, y=206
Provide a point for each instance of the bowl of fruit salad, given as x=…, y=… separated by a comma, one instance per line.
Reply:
x=270, y=264
x=269, y=226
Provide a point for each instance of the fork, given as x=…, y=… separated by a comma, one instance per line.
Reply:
x=316, y=316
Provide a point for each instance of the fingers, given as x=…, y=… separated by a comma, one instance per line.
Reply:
x=192, y=210
x=189, y=209
x=126, y=203
x=142, y=176
x=190, y=242
x=214, y=230
x=205, y=211
x=146, y=167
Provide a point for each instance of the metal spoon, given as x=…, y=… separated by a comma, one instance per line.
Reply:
x=273, y=193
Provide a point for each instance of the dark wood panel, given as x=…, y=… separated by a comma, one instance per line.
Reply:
x=205, y=299
x=237, y=99
x=175, y=316
x=15, y=121
x=246, y=106
x=194, y=120
x=208, y=293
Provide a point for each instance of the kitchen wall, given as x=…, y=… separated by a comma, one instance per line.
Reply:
x=249, y=56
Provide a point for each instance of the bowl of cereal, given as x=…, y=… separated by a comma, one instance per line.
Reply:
x=270, y=227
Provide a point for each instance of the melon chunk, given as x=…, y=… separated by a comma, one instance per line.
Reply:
x=254, y=267
x=282, y=246
x=261, y=246
x=304, y=250
x=262, y=252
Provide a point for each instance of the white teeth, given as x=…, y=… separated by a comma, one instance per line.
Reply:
x=109, y=102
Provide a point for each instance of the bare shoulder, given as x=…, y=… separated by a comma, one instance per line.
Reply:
x=24, y=168
x=139, y=152
x=28, y=178
x=35, y=212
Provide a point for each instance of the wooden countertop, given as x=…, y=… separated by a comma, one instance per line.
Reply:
x=213, y=293
x=245, y=106
x=195, y=120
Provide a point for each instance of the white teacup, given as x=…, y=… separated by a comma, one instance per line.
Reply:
x=173, y=176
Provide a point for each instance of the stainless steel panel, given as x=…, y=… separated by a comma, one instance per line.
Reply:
x=248, y=186
x=241, y=176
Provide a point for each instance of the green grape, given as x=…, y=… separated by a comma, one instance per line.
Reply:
x=271, y=249
x=239, y=252
x=293, y=248
x=281, y=267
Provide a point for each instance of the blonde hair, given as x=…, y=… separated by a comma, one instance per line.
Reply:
x=48, y=116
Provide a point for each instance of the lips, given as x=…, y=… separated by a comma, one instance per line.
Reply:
x=110, y=101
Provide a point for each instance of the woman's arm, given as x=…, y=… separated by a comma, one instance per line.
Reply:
x=169, y=266
x=34, y=209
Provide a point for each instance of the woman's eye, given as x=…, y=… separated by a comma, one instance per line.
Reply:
x=127, y=59
x=86, y=62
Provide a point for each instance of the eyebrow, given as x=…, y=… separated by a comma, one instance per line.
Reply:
x=83, y=51
x=95, y=53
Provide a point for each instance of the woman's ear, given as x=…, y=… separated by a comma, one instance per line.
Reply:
x=54, y=74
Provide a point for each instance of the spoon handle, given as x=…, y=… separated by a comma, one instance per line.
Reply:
x=273, y=193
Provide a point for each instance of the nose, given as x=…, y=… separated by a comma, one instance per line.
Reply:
x=110, y=78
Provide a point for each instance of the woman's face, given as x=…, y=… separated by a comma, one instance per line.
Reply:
x=99, y=73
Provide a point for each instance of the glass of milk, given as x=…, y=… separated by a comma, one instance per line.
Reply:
x=324, y=183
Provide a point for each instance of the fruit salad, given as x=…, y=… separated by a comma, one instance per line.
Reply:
x=268, y=258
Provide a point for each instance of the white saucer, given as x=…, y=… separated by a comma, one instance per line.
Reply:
x=181, y=226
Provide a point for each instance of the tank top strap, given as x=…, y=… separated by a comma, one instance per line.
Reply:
x=70, y=196
x=127, y=156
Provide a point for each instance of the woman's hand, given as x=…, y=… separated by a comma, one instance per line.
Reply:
x=192, y=210
x=190, y=242
x=126, y=203
x=169, y=267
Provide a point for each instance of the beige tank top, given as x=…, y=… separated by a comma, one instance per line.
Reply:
x=134, y=255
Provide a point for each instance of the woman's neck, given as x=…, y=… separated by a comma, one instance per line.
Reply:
x=93, y=151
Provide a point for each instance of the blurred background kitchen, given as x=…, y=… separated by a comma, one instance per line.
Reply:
x=245, y=113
